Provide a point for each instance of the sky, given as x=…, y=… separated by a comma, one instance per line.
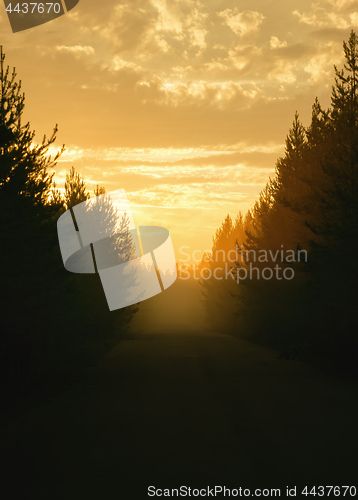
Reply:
x=184, y=104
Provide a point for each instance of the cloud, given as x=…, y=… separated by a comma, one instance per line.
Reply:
x=276, y=44
x=311, y=19
x=317, y=68
x=241, y=22
x=344, y=5
x=201, y=92
x=243, y=165
x=321, y=15
x=283, y=72
x=162, y=183
x=197, y=37
x=168, y=19
x=354, y=18
x=76, y=50
x=157, y=95
x=118, y=63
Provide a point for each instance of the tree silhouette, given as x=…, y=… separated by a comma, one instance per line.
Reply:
x=99, y=190
x=50, y=318
x=75, y=189
x=24, y=166
x=310, y=204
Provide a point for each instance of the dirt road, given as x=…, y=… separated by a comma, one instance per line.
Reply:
x=175, y=406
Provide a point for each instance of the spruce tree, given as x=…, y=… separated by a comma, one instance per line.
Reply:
x=25, y=180
x=32, y=274
x=99, y=190
x=332, y=166
x=75, y=189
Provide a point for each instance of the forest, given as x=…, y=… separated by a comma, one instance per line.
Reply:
x=52, y=321
x=292, y=282
x=310, y=205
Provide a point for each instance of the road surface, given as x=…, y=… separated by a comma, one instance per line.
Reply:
x=178, y=405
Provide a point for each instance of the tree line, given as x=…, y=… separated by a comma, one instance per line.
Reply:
x=311, y=203
x=50, y=319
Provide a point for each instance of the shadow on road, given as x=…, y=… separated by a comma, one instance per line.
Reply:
x=177, y=404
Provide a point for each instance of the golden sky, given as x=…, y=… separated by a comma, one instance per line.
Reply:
x=184, y=104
